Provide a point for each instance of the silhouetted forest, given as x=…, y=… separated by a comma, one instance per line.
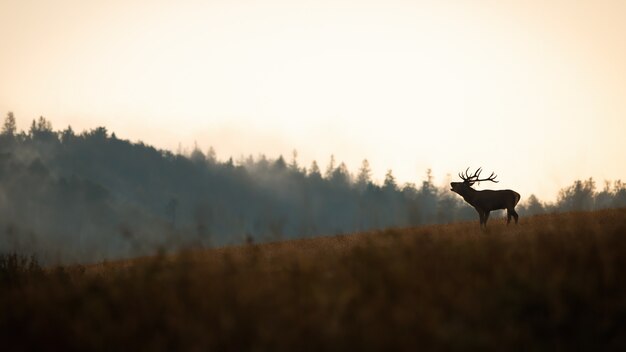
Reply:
x=90, y=196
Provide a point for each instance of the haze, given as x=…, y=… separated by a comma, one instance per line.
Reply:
x=533, y=90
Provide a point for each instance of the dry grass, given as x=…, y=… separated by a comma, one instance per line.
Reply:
x=554, y=282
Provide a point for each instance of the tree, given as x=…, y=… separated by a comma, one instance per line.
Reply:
x=44, y=125
x=9, y=128
x=428, y=199
x=41, y=129
x=534, y=206
x=579, y=196
x=33, y=128
x=341, y=175
x=427, y=185
x=315, y=170
x=619, y=194
x=390, y=181
x=211, y=155
x=99, y=134
x=280, y=164
x=604, y=198
x=365, y=175
x=197, y=156
x=330, y=168
x=67, y=135
x=293, y=165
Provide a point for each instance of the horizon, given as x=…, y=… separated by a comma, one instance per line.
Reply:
x=244, y=160
x=534, y=92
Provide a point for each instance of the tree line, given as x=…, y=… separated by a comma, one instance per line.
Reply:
x=91, y=196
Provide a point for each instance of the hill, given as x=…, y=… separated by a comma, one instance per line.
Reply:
x=554, y=282
x=85, y=197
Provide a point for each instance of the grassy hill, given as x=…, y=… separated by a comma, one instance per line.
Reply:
x=554, y=282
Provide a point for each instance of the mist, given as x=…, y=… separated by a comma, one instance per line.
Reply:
x=92, y=196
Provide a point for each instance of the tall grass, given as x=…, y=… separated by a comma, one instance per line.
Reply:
x=554, y=282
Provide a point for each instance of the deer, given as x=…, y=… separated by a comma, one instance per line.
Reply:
x=487, y=200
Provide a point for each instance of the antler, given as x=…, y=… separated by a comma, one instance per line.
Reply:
x=463, y=176
x=491, y=178
x=475, y=177
x=469, y=179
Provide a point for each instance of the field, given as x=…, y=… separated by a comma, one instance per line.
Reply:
x=553, y=282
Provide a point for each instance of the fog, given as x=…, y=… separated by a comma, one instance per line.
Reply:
x=92, y=196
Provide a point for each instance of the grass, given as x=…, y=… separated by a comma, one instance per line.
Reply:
x=554, y=282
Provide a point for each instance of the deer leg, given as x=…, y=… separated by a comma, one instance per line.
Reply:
x=508, y=216
x=515, y=216
x=486, y=218
x=481, y=215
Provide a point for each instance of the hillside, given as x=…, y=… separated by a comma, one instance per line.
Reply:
x=85, y=197
x=554, y=282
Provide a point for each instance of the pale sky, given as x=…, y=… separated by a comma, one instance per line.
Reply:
x=533, y=90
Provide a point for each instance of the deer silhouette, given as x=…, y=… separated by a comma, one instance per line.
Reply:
x=487, y=200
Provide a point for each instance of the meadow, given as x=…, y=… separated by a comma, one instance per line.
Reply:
x=553, y=282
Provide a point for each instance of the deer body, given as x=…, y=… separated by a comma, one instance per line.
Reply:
x=486, y=201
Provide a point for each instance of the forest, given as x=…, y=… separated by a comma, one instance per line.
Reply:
x=89, y=196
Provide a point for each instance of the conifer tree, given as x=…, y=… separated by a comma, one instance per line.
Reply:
x=293, y=165
x=330, y=168
x=390, y=181
x=9, y=128
x=365, y=175
x=315, y=170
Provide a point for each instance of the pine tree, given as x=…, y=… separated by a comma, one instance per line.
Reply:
x=68, y=134
x=44, y=125
x=197, y=156
x=365, y=175
x=427, y=185
x=315, y=170
x=293, y=165
x=211, y=155
x=341, y=174
x=9, y=128
x=40, y=128
x=330, y=168
x=280, y=163
x=390, y=181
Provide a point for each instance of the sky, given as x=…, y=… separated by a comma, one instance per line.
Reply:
x=533, y=90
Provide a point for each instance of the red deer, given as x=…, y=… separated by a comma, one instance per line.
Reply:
x=487, y=200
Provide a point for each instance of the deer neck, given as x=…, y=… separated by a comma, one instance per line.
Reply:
x=470, y=195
